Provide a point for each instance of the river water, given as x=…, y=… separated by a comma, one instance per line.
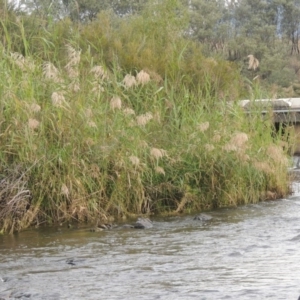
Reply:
x=249, y=252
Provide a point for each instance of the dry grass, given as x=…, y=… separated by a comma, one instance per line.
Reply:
x=16, y=211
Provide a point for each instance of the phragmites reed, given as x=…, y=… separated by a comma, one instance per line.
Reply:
x=99, y=73
x=97, y=88
x=129, y=81
x=263, y=166
x=72, y=66
x=158, y=153
x=92, y=124
x=253, y=62
x=65, y=191
x=128, y=111
x=134, y=160
x=23, y=63
x=33, y=124
x=73, y=56
x=33, y=108
x=142, y=77
x=203, y=126
x=237, y=142
x=50, y=72
x=239, y=139
x=160, y=170
x=277, y=155
x=142, y=120
x=58, y=99
x=115, y=103
x=216, y=138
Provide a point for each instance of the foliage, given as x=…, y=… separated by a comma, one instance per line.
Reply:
x=125, y=116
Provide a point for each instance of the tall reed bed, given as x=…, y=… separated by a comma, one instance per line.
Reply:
x=81, y=141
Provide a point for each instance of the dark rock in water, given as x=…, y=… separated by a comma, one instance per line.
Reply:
x=105, y=226
x=128, y=226
x=203, y=217
x=6, y=279
x=20, y=295
x=101, y=227
x=96, y=229
x=143, y=223
x=70, y=261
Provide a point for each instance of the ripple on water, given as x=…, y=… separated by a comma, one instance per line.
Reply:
x=244, y=253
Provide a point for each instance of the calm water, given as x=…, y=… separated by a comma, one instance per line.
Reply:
x=252, y=252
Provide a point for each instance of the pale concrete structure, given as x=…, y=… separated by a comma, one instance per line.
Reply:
x=283, y=110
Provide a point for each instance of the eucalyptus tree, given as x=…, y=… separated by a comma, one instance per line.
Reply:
x=80, y=10
x=87, y=10
x=207, y=22
x=290, y=22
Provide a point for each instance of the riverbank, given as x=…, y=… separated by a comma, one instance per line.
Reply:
x=86, y=139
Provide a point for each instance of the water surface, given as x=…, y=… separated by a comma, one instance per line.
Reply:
x=250, y=252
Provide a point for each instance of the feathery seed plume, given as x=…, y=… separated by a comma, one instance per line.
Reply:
x=99, y=72
x=209, y=147
x=33, y=107
x=237, y=142
x=134, y=160
x=239, y=139
x=74, y=60
x=58, y=99
x=73, y=55
x=51, y=72
x=115, y=103
x=216, y=138
x=263, y=166
x=74, y=86
x=97, y=88
x=143, y=144
x=243, y=157
x=33, y=124
x=129, y=81
x=65, y=190
x=203, y=126
x=23, y=63
x=230, y=147
x=142, y=120
x=94, y=171
x=142, y=77
x=160, y=170
x=158, y=153
x=92, y=124
x=128, y=111
x=276, y=154
x=253, y=62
